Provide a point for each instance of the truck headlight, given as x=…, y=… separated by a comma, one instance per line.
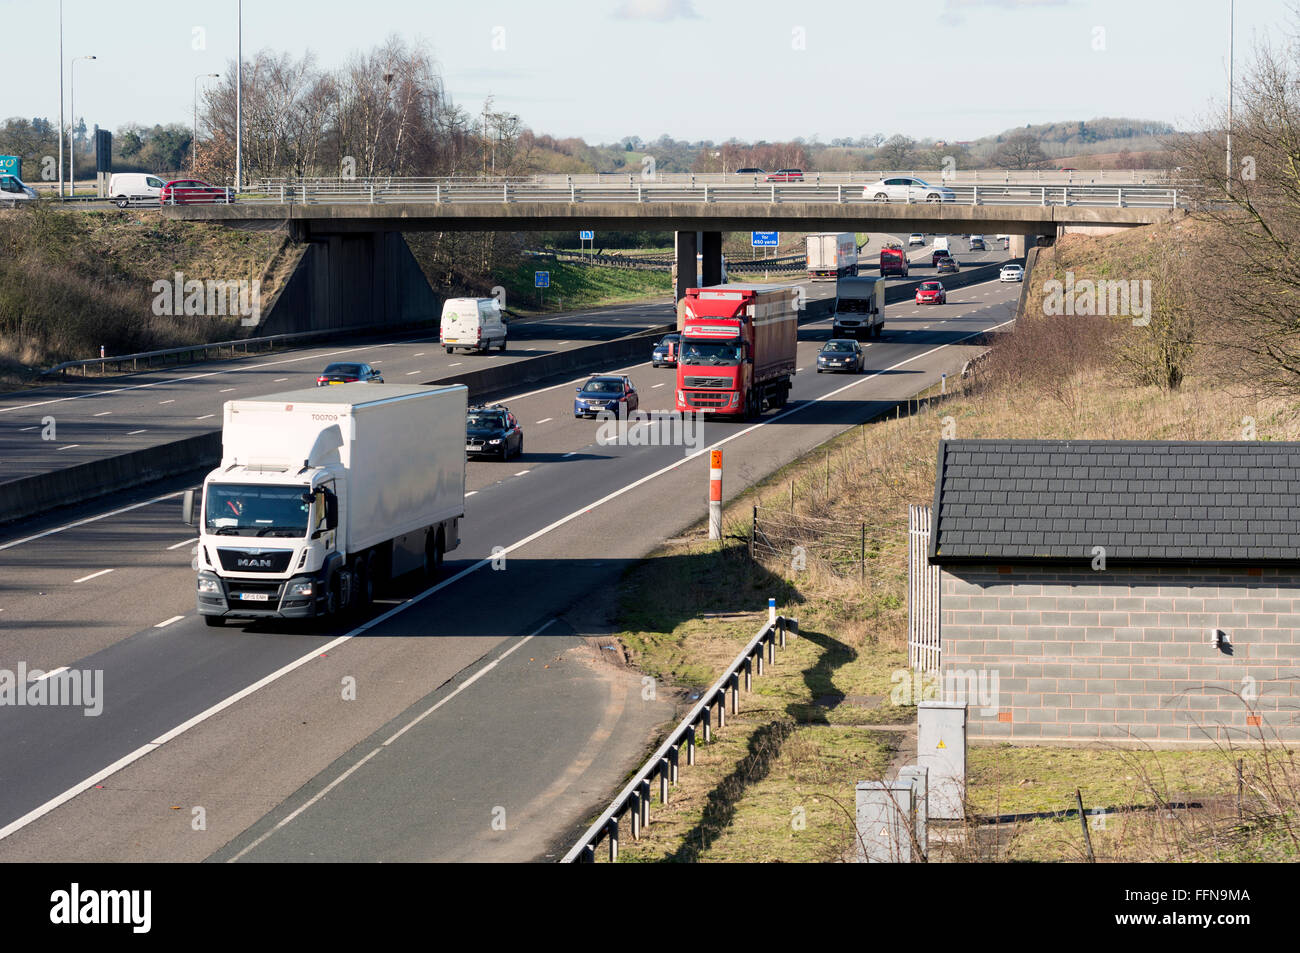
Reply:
x=300, y=589
x=207, y=584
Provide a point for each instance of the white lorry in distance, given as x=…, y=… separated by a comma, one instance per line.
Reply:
x=832, y=255
x=472, y=323
x=859, y=307
x=323, y=495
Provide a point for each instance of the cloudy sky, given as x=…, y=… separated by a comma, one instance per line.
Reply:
x=695, y=69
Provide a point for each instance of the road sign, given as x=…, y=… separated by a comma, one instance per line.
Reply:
x=586, y=236
x=765, y=239
x=541, y=279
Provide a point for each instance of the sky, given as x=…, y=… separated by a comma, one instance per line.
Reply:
x=693, y=69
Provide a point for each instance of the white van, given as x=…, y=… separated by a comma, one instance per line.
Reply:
x=472, y=323
x=13, y=191
x=134, y=188
x=941, y=243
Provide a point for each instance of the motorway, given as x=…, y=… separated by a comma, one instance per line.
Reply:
x=489, y=720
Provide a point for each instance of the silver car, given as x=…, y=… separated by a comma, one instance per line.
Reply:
x=907, y=188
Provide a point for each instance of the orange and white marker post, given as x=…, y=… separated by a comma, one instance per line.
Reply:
x=715, y=494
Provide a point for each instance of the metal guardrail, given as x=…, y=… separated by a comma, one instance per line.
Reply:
x=634, y=799
x=307, y=193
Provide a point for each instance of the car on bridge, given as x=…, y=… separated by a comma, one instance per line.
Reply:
x=750, y=171
x=493, y=431
x=907, y=188
x=606, y=392
x=1011, y=273
x=931, y=292
x=786, y=175
x=840, y=354
x=947, y=266
x=344, y=372
x=194, y=192
x=665, y=352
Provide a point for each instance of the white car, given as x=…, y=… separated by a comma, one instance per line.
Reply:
x=14, y=191
x=1011, y=273
x=906, y=188
x=916, y=239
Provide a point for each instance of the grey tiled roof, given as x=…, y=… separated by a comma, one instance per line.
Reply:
x=1144, y=501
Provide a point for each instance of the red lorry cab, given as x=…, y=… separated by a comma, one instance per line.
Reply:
x=893, y=261
x=737, y=354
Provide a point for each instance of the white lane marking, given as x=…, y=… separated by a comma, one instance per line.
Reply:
x=522, y=472
x=103, y=413
x=279, y=379
x=205, y=417
x=457, y=364
x=421, y=354
x=319, y=651
x=93, y=575
x=41, y=678
x=187, y=542
x=411, y=373
x=70, y=446
x=88, y=519
x=132, y=433
x=471, y=493
x=545, y=420
x=660, y=384
x=405, y=728
x=562, y=343
x=161, y=402
x=167, y=622
x=225, y=390
x=25, y=429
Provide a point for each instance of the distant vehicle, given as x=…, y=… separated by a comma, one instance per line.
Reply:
x=893, y=261
x=13, y=191
x=474, y=324
x=665, y=352
x=916, y=238
x=348, y=373
x=1011, y=273
x=931, y=292
x=832, y=254
x=839, y=354
x=977, y=243
x=947, y=266
x=194, y=192
x=1067, y=169
x=786, y=175
x=750, y=171
x=938, y=256
x=941, y=243
x=859, y=307
x=1005, y=240
x=493, y=431
x=905, y=188
x=127, y=188
x=606, y=393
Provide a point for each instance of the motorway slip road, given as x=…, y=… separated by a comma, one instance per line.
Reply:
x=488, y=693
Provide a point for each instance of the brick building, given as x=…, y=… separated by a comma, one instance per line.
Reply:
x=1121, y=590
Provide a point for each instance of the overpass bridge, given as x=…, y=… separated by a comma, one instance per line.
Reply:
x=355, y=225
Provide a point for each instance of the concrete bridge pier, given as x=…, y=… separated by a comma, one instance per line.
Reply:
x=689, y=272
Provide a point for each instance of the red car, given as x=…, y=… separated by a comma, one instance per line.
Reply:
x=786, y=175
x=194, y=192
x=931, y=292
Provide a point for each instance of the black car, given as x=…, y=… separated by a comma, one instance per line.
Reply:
x=665, y=352
x=948, y=266
x=840, y=354
x=493, y=432
x=348, y=373
x=751, y=170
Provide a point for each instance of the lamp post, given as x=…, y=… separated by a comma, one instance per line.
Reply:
x=1232, y=23
x=239, y=99
x=72, y=130
x=194, y=143
x=60, y=98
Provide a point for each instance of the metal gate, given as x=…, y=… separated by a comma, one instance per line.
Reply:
x=922, y=593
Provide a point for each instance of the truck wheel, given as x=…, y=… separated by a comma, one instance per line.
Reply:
x=433, y=551
x=214, y=621
x=448, y=350
x=365, y=582
x=333, y=597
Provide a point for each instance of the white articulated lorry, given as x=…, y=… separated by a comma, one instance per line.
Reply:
x=832, y=255
x=324, y=494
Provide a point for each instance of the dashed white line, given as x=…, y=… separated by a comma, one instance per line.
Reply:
x=421, y=354
x=571, y=453
x=93, y=575
x=457, y=364
x=279, y=380
x=172, y=401
x=660, y=384
x=132, y=433
x=70, y=446
x=186, y=542
x=471, y=493
x=167, y=622
x=205, y=417
x=225, y=390
x=25, y=429
x=522, y=472
x=103, y=413
x=43, y=677
x=545, y=420
x=411, y=373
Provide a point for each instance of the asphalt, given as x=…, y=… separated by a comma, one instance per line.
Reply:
x=543, y=734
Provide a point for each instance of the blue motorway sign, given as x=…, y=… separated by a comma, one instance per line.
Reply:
x=541, y=279
x=765, y=239
x=586, y=236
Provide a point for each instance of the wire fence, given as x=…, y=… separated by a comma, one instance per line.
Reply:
x=841, y=547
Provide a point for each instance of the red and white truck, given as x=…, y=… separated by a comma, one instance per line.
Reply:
x=832, y=255
x=737, y=355
x=893, y=261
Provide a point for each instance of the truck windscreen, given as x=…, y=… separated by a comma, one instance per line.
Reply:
x=712, y=353
x=232, y=509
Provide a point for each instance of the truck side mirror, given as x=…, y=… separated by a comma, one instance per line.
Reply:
x=187, y=508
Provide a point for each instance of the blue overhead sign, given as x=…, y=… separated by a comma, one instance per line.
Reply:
x=765, y=239
x=542, y=279
x=586, y=236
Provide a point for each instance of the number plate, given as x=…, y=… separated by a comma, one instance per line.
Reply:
x=255, y=596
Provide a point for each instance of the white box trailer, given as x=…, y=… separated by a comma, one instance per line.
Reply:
x=324, y=494
x=832, y=254
x=859, y=307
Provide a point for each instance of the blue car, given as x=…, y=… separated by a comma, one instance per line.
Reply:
x=605, y=392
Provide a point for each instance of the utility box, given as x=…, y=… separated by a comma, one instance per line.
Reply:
x=919, y=778
x=941, y=747
x=884, y=817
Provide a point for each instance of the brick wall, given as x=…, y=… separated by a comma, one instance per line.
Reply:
x=1124, y=653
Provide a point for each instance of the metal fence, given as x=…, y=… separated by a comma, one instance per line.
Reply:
x=633, y=801
x=842, y=547
x=923, y=647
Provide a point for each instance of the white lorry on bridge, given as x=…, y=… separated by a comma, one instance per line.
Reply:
x=323, y=495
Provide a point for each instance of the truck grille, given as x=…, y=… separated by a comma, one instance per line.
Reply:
x=850, y=306
x=241, y=560
x=707, y=382
x=707, y=400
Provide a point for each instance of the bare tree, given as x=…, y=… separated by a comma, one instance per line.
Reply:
x=1019, y=150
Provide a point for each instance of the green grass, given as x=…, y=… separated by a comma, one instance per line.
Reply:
x=580, y=286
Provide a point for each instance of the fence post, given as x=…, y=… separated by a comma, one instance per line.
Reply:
x=663, y=780
x=612, y=837
x=862, y=562
x=753, y=533
x=690, y=745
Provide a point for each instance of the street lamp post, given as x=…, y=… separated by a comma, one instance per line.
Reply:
x=72, y=130
x=239, y=100
x=60, y=98
x=194, y=143
x=1232, y=23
